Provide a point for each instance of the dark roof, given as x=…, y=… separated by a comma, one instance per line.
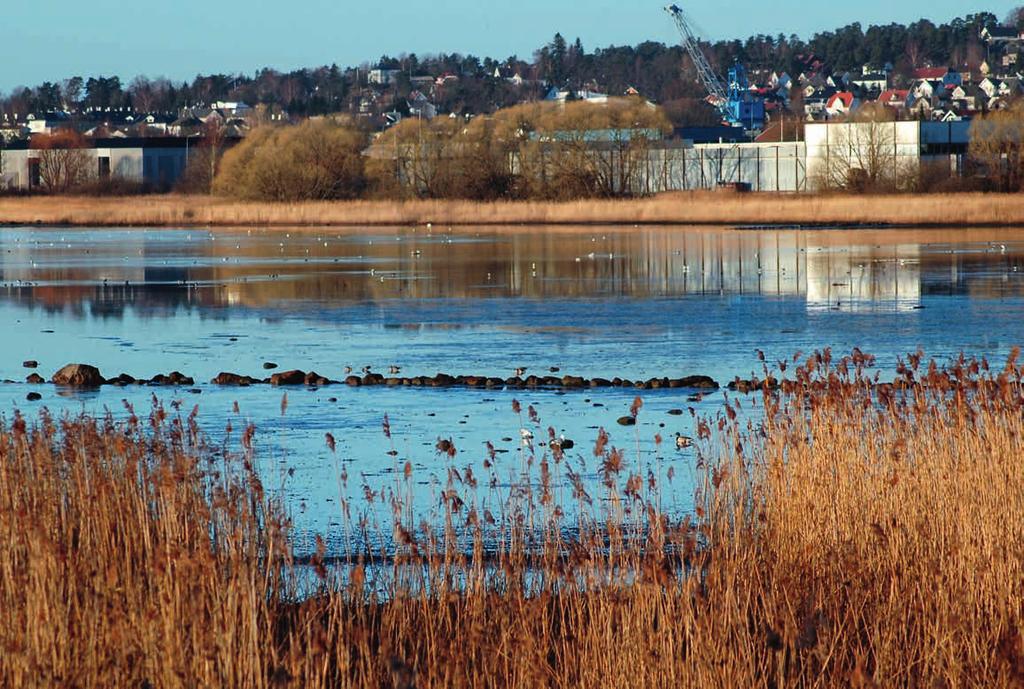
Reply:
x=711, y=135
x=129, y=142
x=1002, y=32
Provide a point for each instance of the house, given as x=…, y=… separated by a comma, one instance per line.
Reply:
x=872, y=83
x=48, y=122
x=1009, y=87
x=919, y=107
x=382, y=77
x=233, y=108
x=420, y=106
x=989, y=87
x=894, y=98
x=841, y=103
x=12, y=131
x=997, y=35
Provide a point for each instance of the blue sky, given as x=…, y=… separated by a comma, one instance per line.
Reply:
x=179, y=38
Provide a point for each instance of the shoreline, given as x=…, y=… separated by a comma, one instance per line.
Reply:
x=710, y=209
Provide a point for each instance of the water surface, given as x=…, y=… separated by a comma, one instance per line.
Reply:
x=615, y=301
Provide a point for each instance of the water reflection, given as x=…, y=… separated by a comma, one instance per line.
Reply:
x=157, y=272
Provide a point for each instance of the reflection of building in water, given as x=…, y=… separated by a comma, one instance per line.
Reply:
x=154, y=273
x=855, y=275
x=607, y=262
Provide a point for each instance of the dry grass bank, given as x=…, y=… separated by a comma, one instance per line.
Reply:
x=869, y=537
x=705, y=208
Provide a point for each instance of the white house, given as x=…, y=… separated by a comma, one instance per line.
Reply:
x=383, y=77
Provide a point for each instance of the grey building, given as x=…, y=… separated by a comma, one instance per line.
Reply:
x=159, y=161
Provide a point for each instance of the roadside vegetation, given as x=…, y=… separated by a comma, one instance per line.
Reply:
x=861, y=535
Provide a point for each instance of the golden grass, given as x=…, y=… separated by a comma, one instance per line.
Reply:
x=704, y=208
x=863, y=536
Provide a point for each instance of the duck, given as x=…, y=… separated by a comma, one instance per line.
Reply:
x=395, y=370
x=683, y=441
x=520, y=371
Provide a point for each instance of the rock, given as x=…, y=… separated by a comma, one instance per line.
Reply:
x=35, y=379
x=354, y=381
x=617, y=382
x=675, y=412
x=315, y=380
x=392, y=382
x=627, y=421
x=495, y=383
x=172, y=378
x=31, y=363
x=600, y=383
x=179, y=378
x=443, y=380
x=293, y=377
x=694, y=382
x=122, y=380
x=573, y=382
x=514, y=382
x=224, y=378
x=78, y=376
x=269, y=365
x=33, y=397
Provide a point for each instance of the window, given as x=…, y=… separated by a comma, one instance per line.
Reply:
x=34, y=175
x=104, y=167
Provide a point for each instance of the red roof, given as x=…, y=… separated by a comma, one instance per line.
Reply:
x=845, y=96
x=893, y=96
x=930, y=73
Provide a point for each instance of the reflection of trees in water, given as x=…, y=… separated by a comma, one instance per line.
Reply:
x=604, y=262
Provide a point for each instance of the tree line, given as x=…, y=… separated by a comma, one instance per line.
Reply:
x=537, y=151
x=651, y=67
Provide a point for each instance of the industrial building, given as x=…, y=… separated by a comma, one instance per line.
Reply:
x=157, y=161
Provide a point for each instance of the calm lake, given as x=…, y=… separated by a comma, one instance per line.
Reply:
x=594, y=302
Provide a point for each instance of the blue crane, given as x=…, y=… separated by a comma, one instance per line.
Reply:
x=736, y=104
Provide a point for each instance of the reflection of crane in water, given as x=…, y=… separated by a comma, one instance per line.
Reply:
x=737, y=106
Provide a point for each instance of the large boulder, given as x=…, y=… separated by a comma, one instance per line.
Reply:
x=226, y=378
x=78, y=376
x=700, y=382
x=288, y=378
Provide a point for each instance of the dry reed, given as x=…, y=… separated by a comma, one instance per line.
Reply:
x=846, y=533
x=700, y=208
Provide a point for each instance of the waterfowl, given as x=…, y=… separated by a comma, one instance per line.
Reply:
x=683, y=442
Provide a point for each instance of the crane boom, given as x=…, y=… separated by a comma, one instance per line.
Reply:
x=700, y=61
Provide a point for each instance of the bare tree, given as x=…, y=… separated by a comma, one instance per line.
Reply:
x=863, y=154
x=64, y=161
x=996, y=144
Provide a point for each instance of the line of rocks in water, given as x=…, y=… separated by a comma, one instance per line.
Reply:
x=85, y=376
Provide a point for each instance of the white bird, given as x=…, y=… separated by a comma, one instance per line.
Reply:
x=683, y=442
x=520, y=371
